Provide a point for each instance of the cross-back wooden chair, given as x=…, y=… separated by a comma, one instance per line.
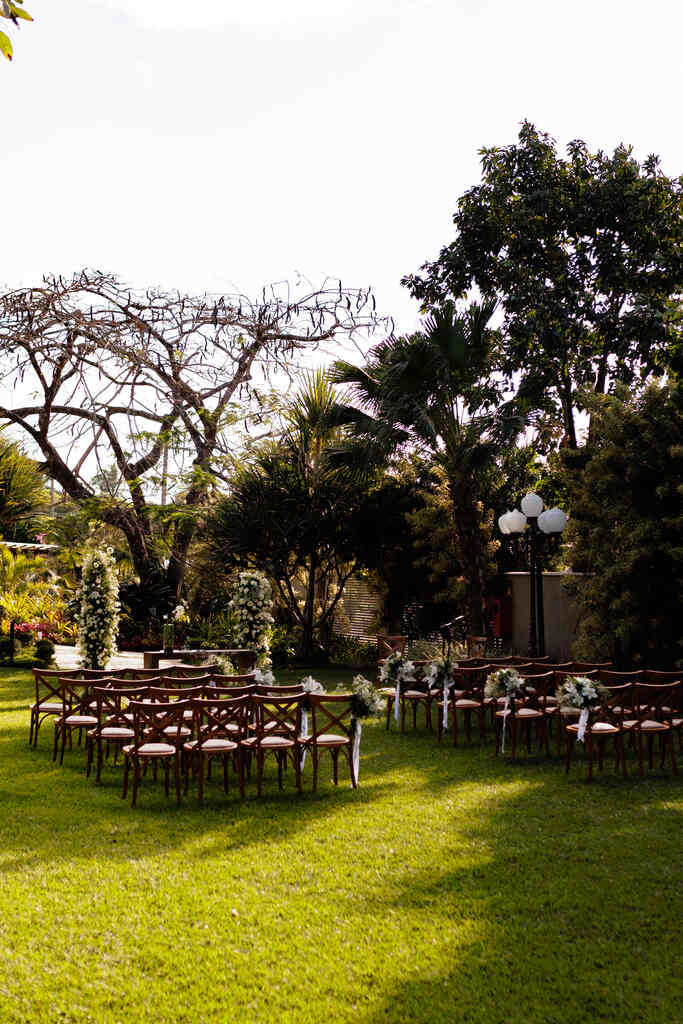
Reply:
x=276, y=728
x=179, y=692
x=564, y=716
x=114, y=726
x=76, y=714
x=219, y=727
x=387, y=643
x=193, y=671
x=331, y=730
x=610, y=678
x=415, y=694
x=150, y=675
x=185, y=682
x=241, y=679
x=48, y=700
x=534, y=709
x=159, y=734
x=263, y=689
x=605, y=723
x=467, y=697
x=656, y=707
x=98, y=673
x=581, y=667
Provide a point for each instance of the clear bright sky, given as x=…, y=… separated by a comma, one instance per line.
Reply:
x=217, y=145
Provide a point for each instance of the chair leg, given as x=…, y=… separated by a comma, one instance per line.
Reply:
x=640, y=751
x=166, y=780
x=589, y=745
x=569, y=744
x=259, y=771
x=176, y=772
x=388, y=711
x=200, y=776
x=64, y=731
x=126, y=762
x=335, y=765
x=136, y=781
x=314, y=756
x=240, y=769
x=297, y=768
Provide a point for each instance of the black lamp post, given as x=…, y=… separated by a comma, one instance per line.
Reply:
x=531, y=526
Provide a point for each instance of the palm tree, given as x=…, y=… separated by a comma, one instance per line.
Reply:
x=294, y=515
x=22, y=491
x=436, y=392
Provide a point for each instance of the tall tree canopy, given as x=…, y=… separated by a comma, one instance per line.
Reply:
x=434, y=393
x=99, y=370
x=585, y=255
x=626, y=529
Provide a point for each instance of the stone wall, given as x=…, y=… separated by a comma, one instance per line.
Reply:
x=561, y=614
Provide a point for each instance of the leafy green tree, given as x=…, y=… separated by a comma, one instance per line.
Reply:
x=294, y=515
x=585, y=255
x=22, y=492
x=626, y=529
x=434, y=393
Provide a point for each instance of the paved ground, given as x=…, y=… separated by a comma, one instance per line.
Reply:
x=68, y=657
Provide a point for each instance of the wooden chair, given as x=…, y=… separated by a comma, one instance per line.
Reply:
x=194, y=671
x=656, y=706
x=243, y=679
x=76, y=696
x=185, y=682
x=276, y=730
x=220, y=724
x=416, y=693
x=565, y=716
x=278, y=691
x=581, y=667
x=159, y=734
x=476, y=645
x=387, y=643
x=606, y=723
x=149, y=675
x=48, y=702
x=610, y=678
x=534, y=709
x=332, y=731
x=467, y=697
x=114, y=725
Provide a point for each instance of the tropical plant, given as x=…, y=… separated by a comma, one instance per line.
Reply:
x=22, y=492
x=435, y=392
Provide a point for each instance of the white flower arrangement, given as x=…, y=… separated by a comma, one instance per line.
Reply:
x=179, y=613
x=580, y=692
x=439, y=673
x=98, y=618
x=252, y=605
x=264, y=677
x=504, y=683
x=397, y=669
x=366, y=701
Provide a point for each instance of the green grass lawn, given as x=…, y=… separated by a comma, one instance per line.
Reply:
x=451, y=886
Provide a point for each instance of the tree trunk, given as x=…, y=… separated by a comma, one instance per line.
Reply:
x=305, y=651
x=472, y=554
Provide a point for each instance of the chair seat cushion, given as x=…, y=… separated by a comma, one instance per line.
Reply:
x=330, y=739
x=213, y=744
x=649, y=725
x=47, y=705
x=415, y=694
x=79, y=720
x=387, y=691
x=172, y=731
x=151, y=749
x=465, y=704
x=269, y=742
x=116, y=732
x=528, y=713
x=597, y=728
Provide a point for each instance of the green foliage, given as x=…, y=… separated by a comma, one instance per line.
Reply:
x=586, y=255
x=435, y=392
x=626, y=529
x=44, y=653
x=22, y=492
x=350, y=652
x=14, y=11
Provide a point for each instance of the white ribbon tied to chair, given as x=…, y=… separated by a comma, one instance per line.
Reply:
x=304, y=735
x=355, y=750
x=397, y=697
x=583, y=722
x=506, y=705
x=444, y=719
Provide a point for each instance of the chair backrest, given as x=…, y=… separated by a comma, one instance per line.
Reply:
x=609, y=678
x=330, y=713
x=387, y=643
x=220, y=718
x=276, y=714
x=538, y=687
x=48, y=689
x=75, y=694
x=227, y=692
x=532, y=668
x=619, y=703
x=244, y=679
x=122, y=683
x=507, y=659
x=151, y=720
x=657, y=701
x=142, y=673
x=470, y=679
x=275, y=691
x=166, y=694
x=98, y=673
x=562, y=673
x=560, y=666
x=655, y=676
x=185, y=682
x=193, y=671
x=112, y=703
x=588, y=666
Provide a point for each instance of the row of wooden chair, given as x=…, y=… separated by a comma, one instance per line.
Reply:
x=184, y=724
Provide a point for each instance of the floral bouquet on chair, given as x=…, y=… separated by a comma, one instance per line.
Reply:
x=395, y=671
x=583, y=694
x=439, y=675
x=504, y=683
x=365, y=702
x=310, y=685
